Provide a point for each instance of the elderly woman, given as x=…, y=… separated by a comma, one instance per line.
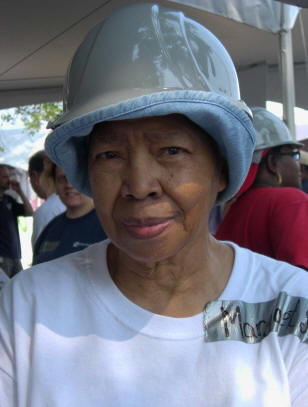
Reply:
x=161, y=314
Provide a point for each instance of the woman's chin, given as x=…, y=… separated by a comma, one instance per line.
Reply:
x=150, y=251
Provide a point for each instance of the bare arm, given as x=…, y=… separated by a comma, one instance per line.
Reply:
x=27, y=206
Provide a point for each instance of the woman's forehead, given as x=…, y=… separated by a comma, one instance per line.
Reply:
x=156, y=128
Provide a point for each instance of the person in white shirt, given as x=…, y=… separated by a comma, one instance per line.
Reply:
x=161, y=313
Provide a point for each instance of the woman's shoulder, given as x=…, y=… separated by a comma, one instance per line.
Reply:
x=262, y=278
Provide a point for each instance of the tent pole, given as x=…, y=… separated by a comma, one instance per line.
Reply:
x=287, y=70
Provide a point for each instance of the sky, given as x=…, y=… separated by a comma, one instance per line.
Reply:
x=17, y=125
x=18, y=145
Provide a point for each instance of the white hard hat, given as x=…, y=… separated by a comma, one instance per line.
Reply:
x=147, y=60
x=270, y=131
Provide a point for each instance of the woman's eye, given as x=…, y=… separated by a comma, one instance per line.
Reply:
x=173, y=150
x=107, y=155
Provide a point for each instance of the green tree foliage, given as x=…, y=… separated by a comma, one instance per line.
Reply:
x=33, y=117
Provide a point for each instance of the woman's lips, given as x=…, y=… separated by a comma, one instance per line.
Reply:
x=146, y=228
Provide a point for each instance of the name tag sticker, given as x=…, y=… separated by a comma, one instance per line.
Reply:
x=251, y=322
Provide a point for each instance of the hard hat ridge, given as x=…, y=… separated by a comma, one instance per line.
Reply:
x=142, y=49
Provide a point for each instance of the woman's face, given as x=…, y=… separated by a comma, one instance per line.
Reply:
x=288, y=166
x=154, y=181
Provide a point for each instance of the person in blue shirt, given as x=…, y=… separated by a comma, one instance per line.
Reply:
x=78, y=227
x=10, y=209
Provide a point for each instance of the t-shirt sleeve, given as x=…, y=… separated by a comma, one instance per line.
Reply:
x=7, y=382
x=288, y=230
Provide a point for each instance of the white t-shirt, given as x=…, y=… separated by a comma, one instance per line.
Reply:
x=52, y=207
x=69, y=337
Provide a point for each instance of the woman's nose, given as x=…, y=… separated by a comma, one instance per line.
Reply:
x=141, y=179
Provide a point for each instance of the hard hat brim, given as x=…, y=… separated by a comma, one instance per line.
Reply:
x=223, y=119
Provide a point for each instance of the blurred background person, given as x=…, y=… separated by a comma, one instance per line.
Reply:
x=304, y=170
x=78, y=227
x=10, y=209
x=270, y=213
x=43, y=185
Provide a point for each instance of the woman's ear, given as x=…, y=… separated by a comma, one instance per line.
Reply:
x=271, y=164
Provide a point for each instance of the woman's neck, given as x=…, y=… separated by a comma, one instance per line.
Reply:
x=179, y=286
